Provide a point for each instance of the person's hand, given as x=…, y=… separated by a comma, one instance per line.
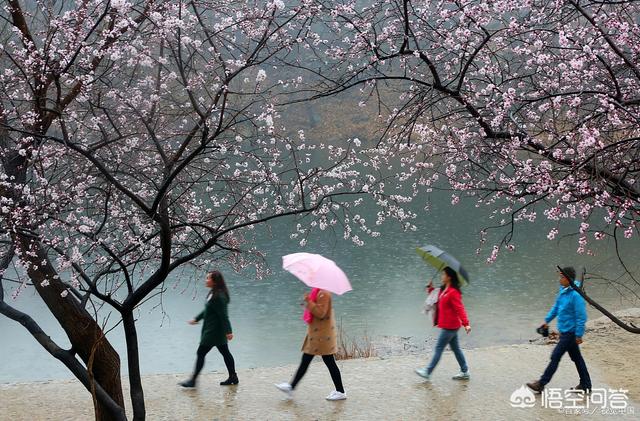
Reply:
x=578, y=341
x=229, y=336
x=544, y=325
x=467, y=329
x=305, y=297
x=193, y=322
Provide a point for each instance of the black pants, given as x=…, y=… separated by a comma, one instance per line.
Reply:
x=226, y=354
x=567, y=343
x=329, y=361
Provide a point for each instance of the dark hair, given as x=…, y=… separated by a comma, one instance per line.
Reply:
x=453, y=275
x=219, y=285
x=569, y=272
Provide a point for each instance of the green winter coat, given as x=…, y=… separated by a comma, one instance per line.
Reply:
x=216, y=324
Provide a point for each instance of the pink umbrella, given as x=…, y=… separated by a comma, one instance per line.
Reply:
x=317, y=272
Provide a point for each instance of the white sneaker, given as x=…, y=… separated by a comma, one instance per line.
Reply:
x=286, y=388
x=336, y=396
x=422, y=372
x=461, y=376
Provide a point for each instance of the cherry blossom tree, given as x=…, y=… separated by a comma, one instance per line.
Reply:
x=531, y=108
x=139, y=138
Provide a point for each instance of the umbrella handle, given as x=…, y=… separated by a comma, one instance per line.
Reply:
x=436, y=273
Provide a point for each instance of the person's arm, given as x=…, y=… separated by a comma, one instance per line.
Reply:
x=226, y=323
x=320, y=308
x=430, y=287
x=199, y=317
x=220, y=307
x=456, y=302
x=552, y=313
x=580, y=309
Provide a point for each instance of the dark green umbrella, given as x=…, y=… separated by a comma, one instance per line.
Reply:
x=440, y=259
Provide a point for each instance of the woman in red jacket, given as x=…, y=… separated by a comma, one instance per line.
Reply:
x=450, y=316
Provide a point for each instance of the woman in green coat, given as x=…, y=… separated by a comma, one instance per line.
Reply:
x=216, y=329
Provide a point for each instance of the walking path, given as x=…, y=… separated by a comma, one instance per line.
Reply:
x=378, y=389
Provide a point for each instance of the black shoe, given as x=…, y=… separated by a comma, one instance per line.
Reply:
x=233, y=379
x=580, y=388
x=536, y=386
x=188, y=383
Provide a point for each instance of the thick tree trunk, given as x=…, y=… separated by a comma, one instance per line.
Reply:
x=86, y=336
x=116, y=411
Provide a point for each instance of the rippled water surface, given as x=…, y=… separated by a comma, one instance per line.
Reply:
x=505, y=301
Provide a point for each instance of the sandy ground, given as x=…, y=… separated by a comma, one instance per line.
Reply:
x=616, y=352
x=377, y=388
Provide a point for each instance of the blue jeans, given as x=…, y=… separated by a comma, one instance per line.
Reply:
x=567, y=343
x=448, y=337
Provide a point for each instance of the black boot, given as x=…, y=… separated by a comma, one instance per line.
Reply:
x=536, y=386
x=233, y=379
x=188, y=383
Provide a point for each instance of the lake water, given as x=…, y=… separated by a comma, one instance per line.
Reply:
x=506, y=301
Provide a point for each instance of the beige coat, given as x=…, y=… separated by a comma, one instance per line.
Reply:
x=321, y=336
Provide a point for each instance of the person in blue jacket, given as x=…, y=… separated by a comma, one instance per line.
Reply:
x=570, y=310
